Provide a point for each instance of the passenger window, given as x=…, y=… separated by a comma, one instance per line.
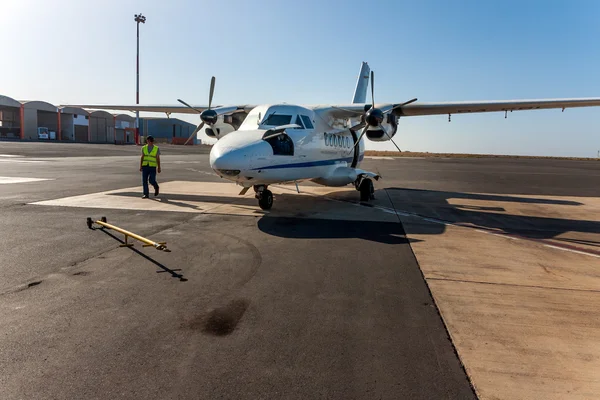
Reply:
x=307, y=122
x=282, y=145
x=326, y=137
x=299, y=122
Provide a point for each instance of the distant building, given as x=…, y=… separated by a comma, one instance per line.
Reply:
x=39, y=120
x=167, y=130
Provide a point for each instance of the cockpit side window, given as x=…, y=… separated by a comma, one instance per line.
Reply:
x=307, y=122
x=277, y=120
x=282, y=145
x=299, y=122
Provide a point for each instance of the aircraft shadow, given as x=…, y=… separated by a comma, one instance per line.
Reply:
x=313, y=228
x=436, y=205
x=424, y=203
x=300, y=227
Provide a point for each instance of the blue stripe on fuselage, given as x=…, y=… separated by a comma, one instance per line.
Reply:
x=311, y=163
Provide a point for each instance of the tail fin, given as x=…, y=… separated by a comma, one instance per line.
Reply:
x=360, y=93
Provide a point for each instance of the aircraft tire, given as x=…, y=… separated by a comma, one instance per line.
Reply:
x=366, y=189
x=265, y=201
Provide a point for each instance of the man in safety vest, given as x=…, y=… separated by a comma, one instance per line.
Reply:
x=149, y=165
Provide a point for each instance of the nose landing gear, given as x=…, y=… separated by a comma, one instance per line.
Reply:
x=366, y=188
x=264, y=196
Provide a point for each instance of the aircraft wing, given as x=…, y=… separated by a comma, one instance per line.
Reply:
x=170, y=109
x=418, y=108
x=490, y=106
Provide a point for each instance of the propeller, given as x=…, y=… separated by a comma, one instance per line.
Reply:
x=375, y=116
x=208, y=116
x=195, y=132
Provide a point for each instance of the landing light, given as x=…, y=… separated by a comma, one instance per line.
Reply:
x=229, y=172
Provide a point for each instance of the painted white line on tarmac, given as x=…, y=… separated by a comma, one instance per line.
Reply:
x=9, y=179
x=19, y=160
x=572, y=251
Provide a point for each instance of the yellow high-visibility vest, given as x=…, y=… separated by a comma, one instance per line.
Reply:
x=150, y=157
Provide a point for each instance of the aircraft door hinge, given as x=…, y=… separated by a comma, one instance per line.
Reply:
x=505, y=113
x=449, y=117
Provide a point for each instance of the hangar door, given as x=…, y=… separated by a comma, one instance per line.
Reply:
x=102, y=127
x=98, y=129
x=81, y=133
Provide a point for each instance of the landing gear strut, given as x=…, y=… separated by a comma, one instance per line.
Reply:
x=264, y=196
x=366, y=189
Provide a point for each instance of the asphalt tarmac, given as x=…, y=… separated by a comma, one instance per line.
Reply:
x=319, y=298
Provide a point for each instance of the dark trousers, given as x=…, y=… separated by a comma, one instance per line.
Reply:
x=149, y=174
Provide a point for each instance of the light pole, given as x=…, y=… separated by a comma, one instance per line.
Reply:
x=138, y=18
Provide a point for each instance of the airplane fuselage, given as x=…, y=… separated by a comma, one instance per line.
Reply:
x=316, y=151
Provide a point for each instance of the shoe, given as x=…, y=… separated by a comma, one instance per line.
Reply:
x=156, y=191
x=144, y=197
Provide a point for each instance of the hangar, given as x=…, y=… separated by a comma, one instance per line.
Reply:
x=74, y=123
x=40, y=120
x=124, y=129
x=102, y=127
x=10, y=118
x=167, y=130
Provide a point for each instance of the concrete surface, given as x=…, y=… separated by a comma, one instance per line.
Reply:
x=517, y=281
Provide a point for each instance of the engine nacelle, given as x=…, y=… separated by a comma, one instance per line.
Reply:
x=378, y=134
x=225, y=124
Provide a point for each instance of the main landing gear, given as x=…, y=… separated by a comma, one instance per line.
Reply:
x=366, y=188
x=264, y=196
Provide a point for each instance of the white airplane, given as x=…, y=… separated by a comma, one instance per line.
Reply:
x=259, y=145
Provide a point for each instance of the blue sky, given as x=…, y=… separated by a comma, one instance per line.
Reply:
x=309, y=52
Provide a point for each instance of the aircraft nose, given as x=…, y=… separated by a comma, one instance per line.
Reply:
x=228, y=161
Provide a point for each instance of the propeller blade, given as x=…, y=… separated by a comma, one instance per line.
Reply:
x=359, y=126
x=359, y=138
x=392, y=140
x=408, y=102
x=373, y=89
x=193, y=133
x=212, y=92
x=186, y=104
x=401, y=105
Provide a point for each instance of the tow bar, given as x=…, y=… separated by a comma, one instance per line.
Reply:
x=148, y=243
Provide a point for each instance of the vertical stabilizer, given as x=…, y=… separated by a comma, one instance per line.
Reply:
x=362, y=84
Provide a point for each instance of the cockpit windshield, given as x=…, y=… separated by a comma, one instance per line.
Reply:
x=277, y=120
